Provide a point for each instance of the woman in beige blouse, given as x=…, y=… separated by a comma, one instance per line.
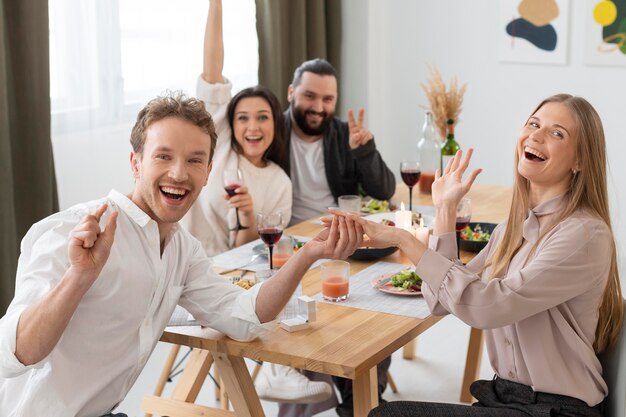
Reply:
x=546, y=288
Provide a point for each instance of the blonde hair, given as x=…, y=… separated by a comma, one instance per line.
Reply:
x=587, y=191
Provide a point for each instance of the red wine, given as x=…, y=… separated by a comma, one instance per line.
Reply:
x=462, y=223
x=230, y=189
x=410, y=177
x=270, y=235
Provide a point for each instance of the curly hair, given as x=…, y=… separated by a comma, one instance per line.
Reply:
x=172, y=104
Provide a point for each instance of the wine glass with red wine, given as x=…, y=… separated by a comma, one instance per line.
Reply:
x=232, y=179
x=463, y=216
x=410, y=172
x=270, y=228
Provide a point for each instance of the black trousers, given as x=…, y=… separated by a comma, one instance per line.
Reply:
x=498, y=397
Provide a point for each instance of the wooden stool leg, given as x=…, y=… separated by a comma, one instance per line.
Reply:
x=165, y=373
x=392, y=383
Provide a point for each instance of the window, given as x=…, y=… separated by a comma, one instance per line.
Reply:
x=108, y=58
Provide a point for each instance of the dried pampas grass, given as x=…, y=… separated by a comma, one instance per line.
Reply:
x=444, y=103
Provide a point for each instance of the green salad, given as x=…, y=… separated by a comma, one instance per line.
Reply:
x=407, y=279
x=476, y=235
x=375, y=206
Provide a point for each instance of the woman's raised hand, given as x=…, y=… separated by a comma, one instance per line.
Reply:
x=449, y=188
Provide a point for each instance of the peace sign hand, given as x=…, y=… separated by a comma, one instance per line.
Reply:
x=359, y=135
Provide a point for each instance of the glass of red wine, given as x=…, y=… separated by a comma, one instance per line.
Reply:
x=270, y=228
x=410, y=172
x=232, y=179
x=463, y=216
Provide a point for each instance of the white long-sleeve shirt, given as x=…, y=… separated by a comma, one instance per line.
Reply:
x=211, y=216
x=121, y=317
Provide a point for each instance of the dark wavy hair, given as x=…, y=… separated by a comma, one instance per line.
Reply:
x=277, y=151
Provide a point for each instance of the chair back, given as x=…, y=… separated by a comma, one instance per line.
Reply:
x=614, y=372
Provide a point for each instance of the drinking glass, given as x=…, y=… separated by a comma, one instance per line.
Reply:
x=410, y=172
x=282, y=251
x=463, y=216
x=335, y=277
x=270, y=228
x=232, y=179
x=349, y=203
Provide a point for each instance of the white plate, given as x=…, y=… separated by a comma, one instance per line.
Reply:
x=429, y=221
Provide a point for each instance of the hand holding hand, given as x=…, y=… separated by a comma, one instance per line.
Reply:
x=359, y=135
x=449, y=188
x=339, y=240
x=89, y=247
x=379, y=235
x=241, y=200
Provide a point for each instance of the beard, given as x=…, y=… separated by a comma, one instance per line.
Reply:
x=299, y=115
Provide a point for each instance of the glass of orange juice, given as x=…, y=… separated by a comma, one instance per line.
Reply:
x=335, y=280
x=282, y=252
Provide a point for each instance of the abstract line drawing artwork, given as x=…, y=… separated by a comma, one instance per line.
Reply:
x=533, y=31
x=605, y=40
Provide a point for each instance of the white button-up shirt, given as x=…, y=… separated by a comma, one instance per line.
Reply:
x=119, y=320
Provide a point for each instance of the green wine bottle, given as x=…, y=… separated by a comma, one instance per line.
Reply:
x=450, y=146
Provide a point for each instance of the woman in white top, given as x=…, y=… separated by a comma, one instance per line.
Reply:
x=250, y=137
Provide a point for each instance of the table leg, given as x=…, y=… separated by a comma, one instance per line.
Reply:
x=192, y=378
x=165, y=373
x=239, y=386
x=472, y=363
x=365, y=392
x=408, y=351
x=186, y=390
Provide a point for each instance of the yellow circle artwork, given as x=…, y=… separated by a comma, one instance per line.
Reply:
x=605, y=13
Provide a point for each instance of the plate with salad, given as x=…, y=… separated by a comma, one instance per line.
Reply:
x=405, y=282
x=475, y=236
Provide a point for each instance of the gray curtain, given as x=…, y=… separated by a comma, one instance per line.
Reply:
x=293, y=31
x=27, y=176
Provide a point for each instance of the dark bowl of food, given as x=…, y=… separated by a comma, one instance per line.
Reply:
x=476, y=236
x=370, y=254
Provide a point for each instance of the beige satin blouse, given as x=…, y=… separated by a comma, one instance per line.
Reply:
x=539, y=318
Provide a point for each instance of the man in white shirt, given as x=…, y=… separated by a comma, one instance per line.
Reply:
x=97, y=283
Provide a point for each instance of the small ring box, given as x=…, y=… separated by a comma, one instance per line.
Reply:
x=306, y=315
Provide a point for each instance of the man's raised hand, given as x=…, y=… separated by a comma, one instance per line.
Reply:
x=89, y=247
x=359, y=135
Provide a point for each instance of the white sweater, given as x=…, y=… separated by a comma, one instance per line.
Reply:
x=211, y=217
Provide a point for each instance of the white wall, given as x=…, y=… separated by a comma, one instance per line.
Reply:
x=387, y=46
x=88, y=166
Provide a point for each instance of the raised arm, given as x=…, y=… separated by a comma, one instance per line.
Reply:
x=213, y=62
x=42, y=324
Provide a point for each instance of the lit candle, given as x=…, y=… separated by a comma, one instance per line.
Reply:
x=421, y=232
x=404, y=218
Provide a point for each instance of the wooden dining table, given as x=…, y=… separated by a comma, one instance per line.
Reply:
x=342, y=341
